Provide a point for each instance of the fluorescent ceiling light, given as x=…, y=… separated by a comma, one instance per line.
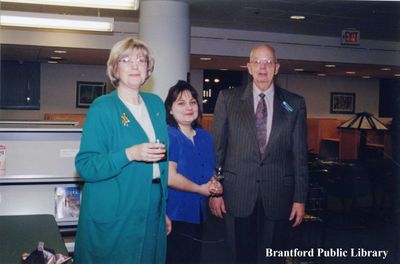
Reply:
x=106, y=4
x=54, y=21
x=297, y=17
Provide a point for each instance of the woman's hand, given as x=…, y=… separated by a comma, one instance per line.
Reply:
x=212, y=187
x=148, y=152
x=168, y=224
x=204, y=189
x=215, y=187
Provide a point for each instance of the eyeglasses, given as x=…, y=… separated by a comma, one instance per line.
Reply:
x=139, y=61
x=260, y=61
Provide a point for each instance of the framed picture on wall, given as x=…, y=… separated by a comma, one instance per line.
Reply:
x=343, y=103
x=86, y=92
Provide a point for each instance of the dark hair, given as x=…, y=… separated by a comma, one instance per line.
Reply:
x=173, y=94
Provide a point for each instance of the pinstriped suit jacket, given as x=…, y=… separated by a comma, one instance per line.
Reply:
x=280, y=176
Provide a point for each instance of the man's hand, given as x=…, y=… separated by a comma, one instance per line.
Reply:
x=298, y=212
x=217, y=206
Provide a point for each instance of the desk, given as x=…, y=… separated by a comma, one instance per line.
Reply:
x=329, y=148
x=21, y=233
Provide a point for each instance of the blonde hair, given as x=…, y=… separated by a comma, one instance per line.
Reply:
x=120, y=49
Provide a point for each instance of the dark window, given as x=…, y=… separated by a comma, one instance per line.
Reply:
x=20, y=85
x=217, y=80
x=387, y=95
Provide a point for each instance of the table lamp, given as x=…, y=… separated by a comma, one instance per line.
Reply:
x=363, y=122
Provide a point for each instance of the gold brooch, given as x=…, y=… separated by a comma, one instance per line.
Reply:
x=125, y=119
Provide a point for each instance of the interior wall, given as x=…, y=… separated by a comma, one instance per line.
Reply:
x=317, y=93
x=59, y=83
x=227, y=42
x=58, y=91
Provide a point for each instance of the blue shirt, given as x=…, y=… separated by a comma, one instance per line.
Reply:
x=196, y=162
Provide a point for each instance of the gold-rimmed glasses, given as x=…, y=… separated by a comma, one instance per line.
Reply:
x=260, y=61
x=139, y=61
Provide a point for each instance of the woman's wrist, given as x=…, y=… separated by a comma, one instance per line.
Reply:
x=202, y=189
x=130, y=153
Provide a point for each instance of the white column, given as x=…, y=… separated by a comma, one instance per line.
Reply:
x=164, y=25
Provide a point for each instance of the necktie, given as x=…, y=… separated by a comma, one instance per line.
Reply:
x=261, y=123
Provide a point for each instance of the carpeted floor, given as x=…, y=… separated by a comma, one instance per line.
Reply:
x=335, y=231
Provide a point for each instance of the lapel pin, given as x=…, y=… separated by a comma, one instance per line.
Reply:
x=158, y=113
x=125, y=119
x=287, y=106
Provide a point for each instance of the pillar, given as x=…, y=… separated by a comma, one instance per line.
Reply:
x=164, y=25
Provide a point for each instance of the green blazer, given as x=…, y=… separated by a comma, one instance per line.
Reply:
x=116, y=192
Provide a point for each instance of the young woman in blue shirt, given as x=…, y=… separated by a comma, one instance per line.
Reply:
x=191, y=154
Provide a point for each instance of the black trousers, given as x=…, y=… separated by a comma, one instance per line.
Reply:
x=183, y=244
x=255, y=233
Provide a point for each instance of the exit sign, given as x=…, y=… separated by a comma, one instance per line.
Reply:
x=350, y=37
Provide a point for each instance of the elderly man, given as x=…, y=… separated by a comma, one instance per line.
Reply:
x=261, y=142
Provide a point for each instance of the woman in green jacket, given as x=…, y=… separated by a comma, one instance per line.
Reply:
x=124, y=167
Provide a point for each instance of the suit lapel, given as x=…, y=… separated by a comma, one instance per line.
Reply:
x=249, y=118
x=278, y=119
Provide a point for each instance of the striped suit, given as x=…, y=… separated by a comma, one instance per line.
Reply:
x=278, y=177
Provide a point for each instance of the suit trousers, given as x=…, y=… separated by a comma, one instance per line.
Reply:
x=255, y=233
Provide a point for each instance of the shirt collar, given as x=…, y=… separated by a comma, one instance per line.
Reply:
x=268, y=93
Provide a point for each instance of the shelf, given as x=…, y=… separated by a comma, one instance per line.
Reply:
x=372, y=145
x=331, y=139
x=34, y=178
x=39, y=126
